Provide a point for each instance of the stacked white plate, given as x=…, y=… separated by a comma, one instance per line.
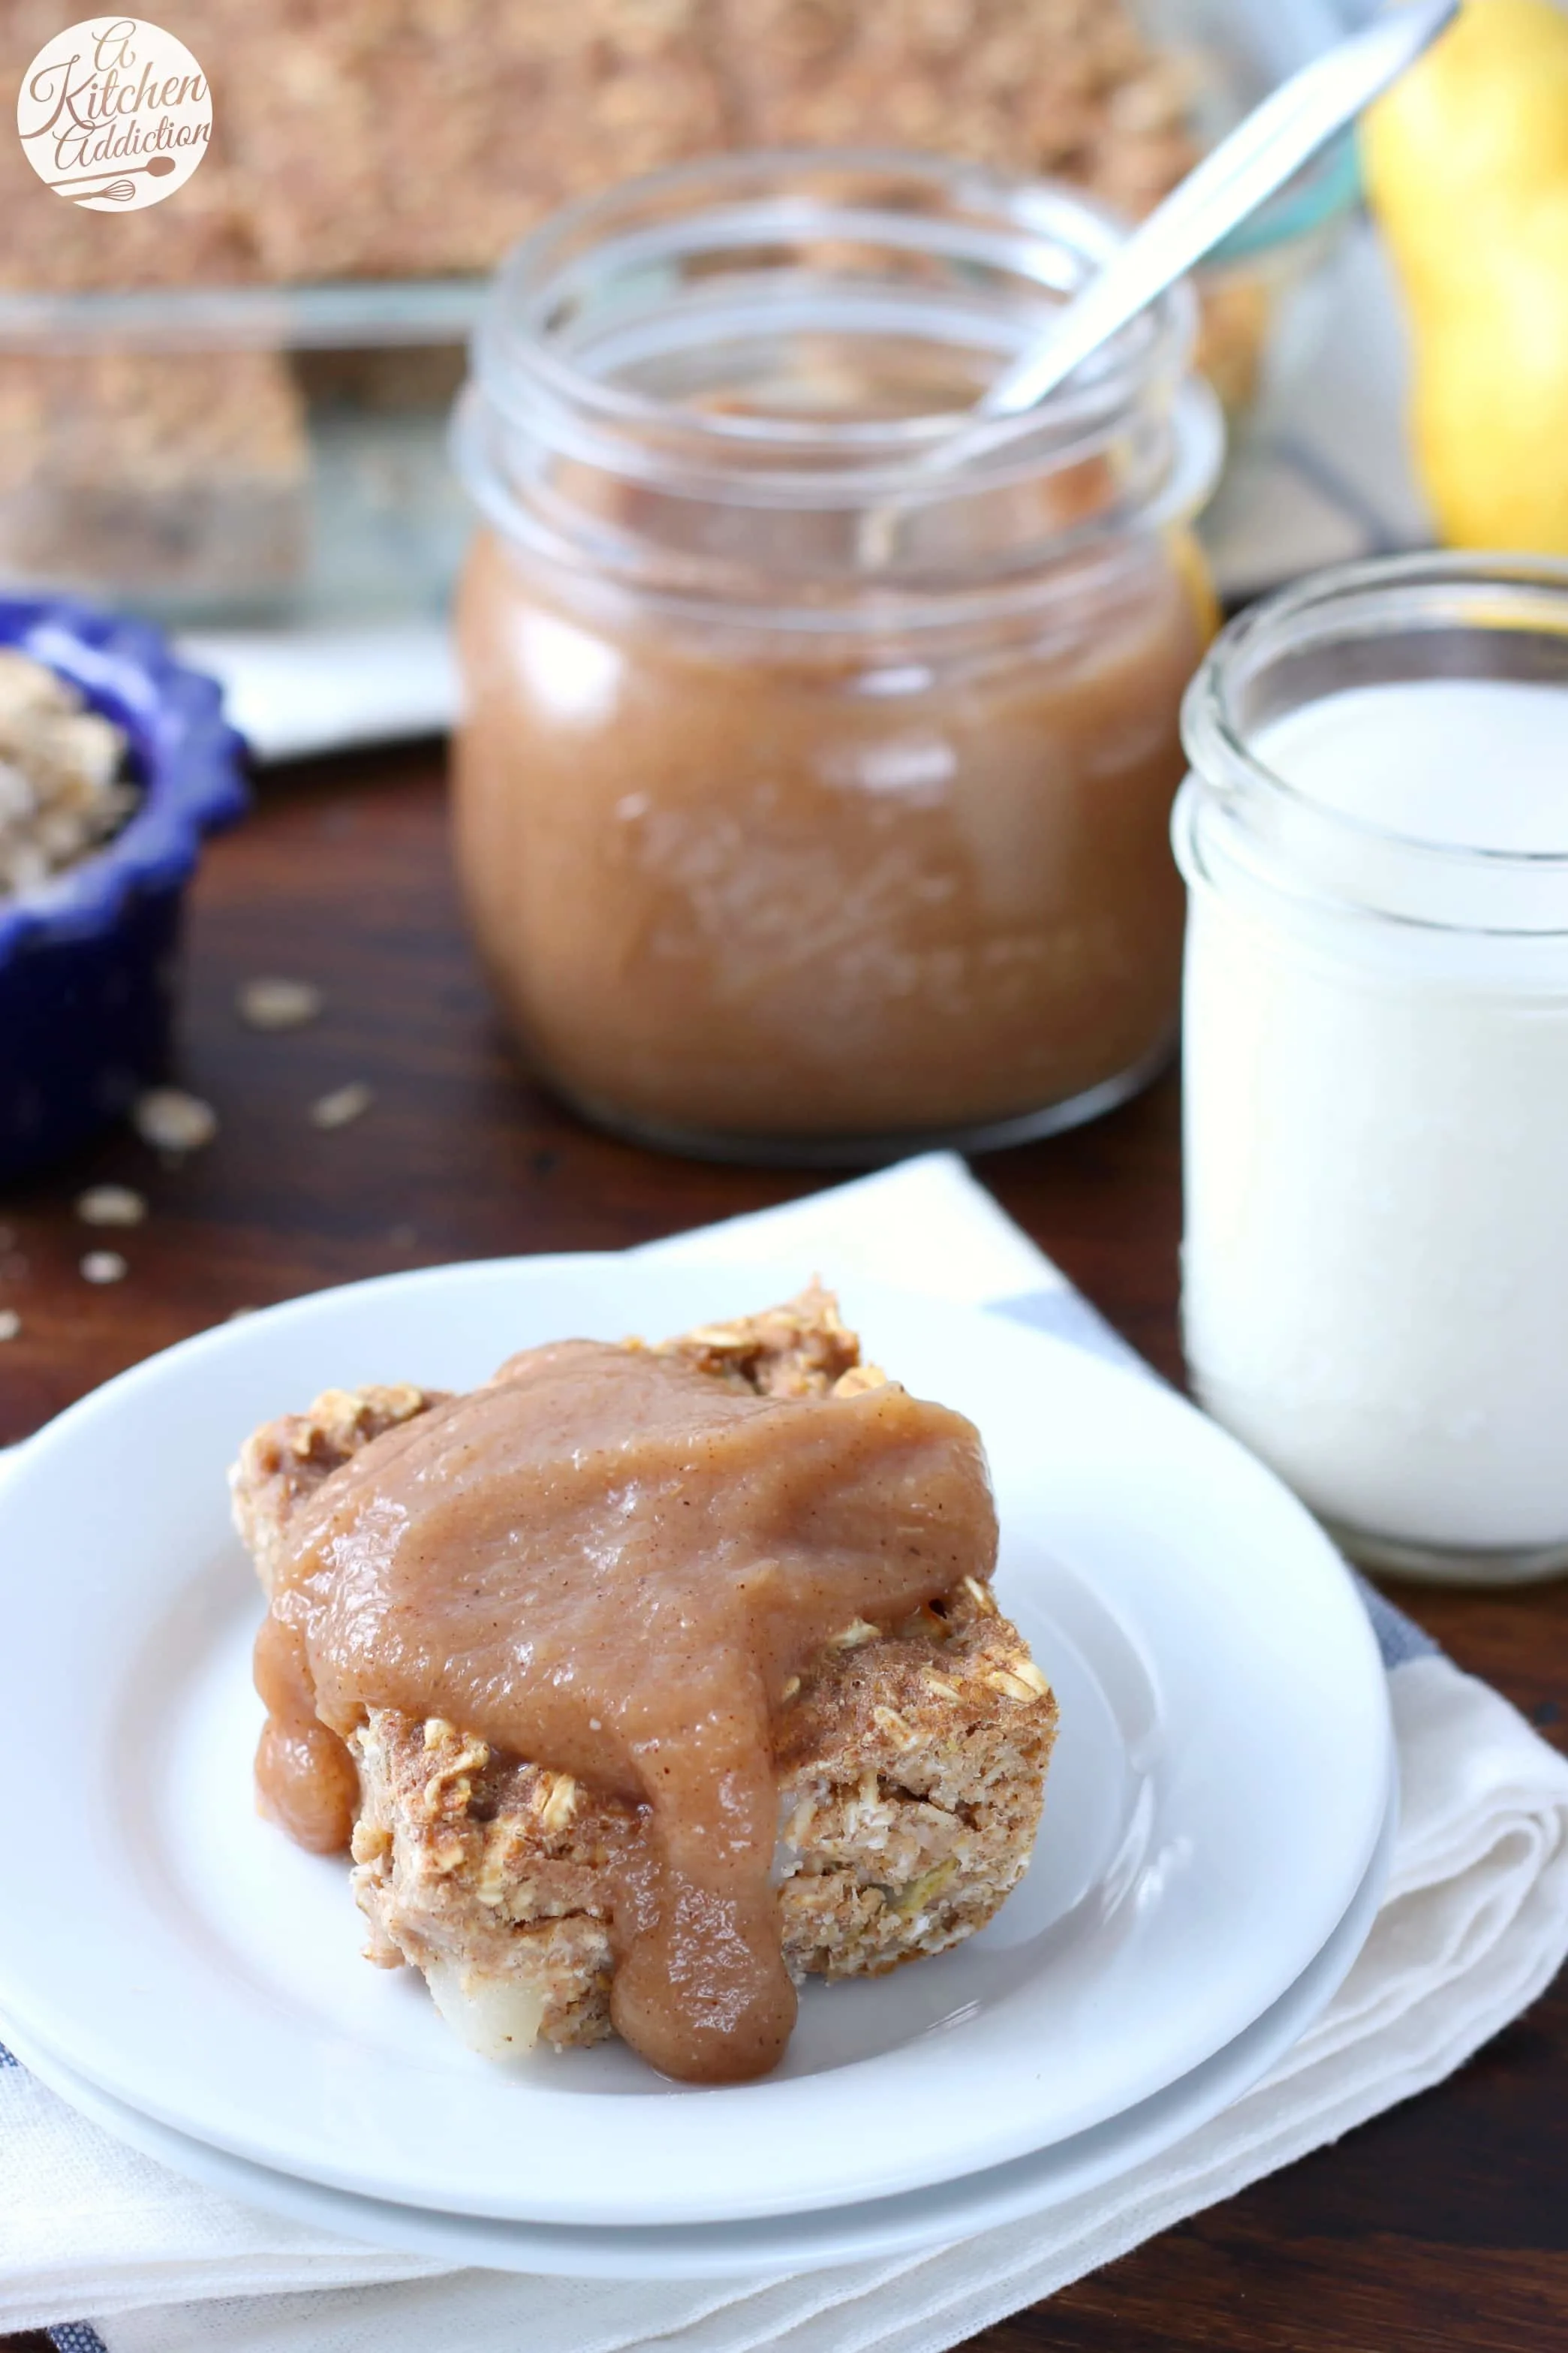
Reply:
x=1216, y=1826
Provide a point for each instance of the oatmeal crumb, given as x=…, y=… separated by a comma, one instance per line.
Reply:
x=344, y=1105
x=897, y=1727
x=104, y=1266
x=170, y=1120
x=111, y=1205
x=555, y=1800
x=850, y=1637
x=1023, y=1681
x=273, y=1002
x=10, y=1323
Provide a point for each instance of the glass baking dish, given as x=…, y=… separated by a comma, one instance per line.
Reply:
x=256, y=455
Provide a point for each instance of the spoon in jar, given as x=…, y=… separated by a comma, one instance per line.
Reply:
x=1233, y=180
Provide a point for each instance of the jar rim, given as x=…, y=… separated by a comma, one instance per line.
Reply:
x=1377, y=597
x=1047, y=235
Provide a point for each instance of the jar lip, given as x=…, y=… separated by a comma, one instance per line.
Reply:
x=1039, y=228
x=1381, y=593
x=1198, y=442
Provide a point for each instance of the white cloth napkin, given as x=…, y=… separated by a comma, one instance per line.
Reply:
x=1474, y=1926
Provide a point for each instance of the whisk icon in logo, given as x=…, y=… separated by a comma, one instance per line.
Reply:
x=115, y=114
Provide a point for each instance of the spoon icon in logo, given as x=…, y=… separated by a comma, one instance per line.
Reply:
x=121, y=188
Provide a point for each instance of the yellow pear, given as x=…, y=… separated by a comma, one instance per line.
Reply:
x=1466, y=163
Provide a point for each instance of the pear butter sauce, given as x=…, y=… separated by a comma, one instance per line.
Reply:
x=779, y=834
x=607, y=1560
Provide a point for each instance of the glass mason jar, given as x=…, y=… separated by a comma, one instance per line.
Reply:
x=811, y=798
x=1375, y=1264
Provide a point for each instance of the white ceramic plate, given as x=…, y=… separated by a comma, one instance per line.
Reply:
x=1213, y=1811
x=792, y=2242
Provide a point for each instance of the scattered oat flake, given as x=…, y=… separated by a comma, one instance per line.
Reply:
x=10, y=1323
x=172, y=1120
x=272, y=1003
x=342, y=1106
x=111, y=1205
x=104, y=1266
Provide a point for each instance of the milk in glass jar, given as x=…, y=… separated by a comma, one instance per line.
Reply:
x=1374, y=838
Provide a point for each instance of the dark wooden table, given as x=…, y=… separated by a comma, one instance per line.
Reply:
x=1442, y=2228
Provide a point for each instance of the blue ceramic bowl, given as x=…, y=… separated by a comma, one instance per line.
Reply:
x=88, y=962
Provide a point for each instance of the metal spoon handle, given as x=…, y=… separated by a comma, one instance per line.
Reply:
x=1231, y=183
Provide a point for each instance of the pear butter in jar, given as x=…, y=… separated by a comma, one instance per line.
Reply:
x=813, y=804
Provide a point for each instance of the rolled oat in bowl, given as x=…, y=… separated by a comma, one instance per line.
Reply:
x=64, y=789
x=115, y=759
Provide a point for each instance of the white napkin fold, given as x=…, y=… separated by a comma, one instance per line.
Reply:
x=1474, y=1926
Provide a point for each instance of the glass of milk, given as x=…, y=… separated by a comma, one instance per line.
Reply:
x=1374, y=838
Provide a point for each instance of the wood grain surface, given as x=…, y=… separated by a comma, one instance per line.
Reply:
x=1441, y=2228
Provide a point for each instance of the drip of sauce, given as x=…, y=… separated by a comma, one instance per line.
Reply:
x=608, y=1562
